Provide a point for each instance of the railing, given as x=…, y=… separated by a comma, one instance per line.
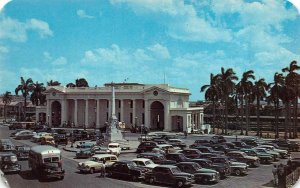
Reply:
x=292, y=178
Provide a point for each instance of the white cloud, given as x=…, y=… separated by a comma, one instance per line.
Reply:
x=3, y=3
x=83, y=14
x=60, y=61
x=160, y=51
x=47, y=56
x=3, y=49
x=17, y=31
x=184, y=23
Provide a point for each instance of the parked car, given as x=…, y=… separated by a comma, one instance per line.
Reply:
x=191, y=153
x=231, y=146
x=275, y=155
x=37, y=136
x=84, y=144
x=16, y=125
x=96, y=163
x=15, y=132
x=252, y=141
x=126, y=169
x=159, y=141
x=236, y=168
x=240, y=156
x=290, y=145
x=283, y=153
x=61, y=139
x=169, y=175
x=263, y=157
x=22, y=152
x=115, y=148
x=217, y=139
x=241, y=144
x=202, y=142
x=84, y=153
x=146, y=146
x=177, y=143
x=100, y=150
x=201, y=175
x=206, y=149
x=156, y=158
x=3, y=181
x=178, y=157
x=144, y=163
x=224, y=170
x=9, y=163
x=168, y=148
x=6, y=145
x=47, y=140
x=23, y=135
x=222, y=148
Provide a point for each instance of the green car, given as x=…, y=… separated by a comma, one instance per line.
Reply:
x=264, y=157
x=275, y=155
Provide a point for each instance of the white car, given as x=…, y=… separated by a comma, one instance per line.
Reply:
x=3, y=181
x=144, y=163
x=25, y=134
x=115, y=148
x=37, y=137
x=96, y=163
x=283, y=153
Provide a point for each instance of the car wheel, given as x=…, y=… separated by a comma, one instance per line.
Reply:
x=237, y=172
x=134, y=178
x=92, y=170
x=151, y=180
x=179, y=183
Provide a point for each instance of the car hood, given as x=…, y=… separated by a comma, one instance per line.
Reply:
x=151, y=165
x=238, y=164
x=88, y=163
x=206, y=170
x=183, y=174
x=251, y=157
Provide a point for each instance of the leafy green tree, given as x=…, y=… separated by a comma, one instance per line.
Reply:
x=25, y=87
x=53, y=83
x=6, y=99
x=37, y=97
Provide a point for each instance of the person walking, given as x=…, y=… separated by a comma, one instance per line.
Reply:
x=103, y=172
x=275, y=174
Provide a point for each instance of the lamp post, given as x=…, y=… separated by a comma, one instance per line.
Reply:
x=48, y=121
x=95, y=108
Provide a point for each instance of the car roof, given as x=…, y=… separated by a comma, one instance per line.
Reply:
x=154, y=154
x=103, y=155
x=141, y=159
x=189, y=162
x=114, y=144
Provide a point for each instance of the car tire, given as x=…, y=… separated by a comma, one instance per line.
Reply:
x=237, y=172
x=179, y=183
x=151, y=180
x=92, y=170
x=134, y=178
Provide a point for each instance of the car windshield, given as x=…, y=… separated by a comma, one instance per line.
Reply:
x=132, y=164
x=94, y=159
x=175, y=170
x=196, y=166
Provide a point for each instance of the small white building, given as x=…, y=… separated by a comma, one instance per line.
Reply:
x=157, y=106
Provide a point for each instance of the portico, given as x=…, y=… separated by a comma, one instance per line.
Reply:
x=154, y=106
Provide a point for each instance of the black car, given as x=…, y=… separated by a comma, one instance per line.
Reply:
x=241, y=144
x=9, y=163
x=125, y=169
x=202, y=142
x=223, y=170
x=250, y=141
x=22, y=152
x=146, y=146
x=156, y=158
x=160, y=141
x=191, y=153
x=178, y=157
x=206, y=149
x=177, y=143
x=61, y=139
x=286, y=144
x=169, y=175
x=222, y=148
x=6, y=145
x=217, y=139
x=202, y=175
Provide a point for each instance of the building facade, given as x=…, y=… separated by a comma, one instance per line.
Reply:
x=159, y=107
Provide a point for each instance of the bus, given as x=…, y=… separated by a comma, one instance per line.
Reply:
x=46, y=162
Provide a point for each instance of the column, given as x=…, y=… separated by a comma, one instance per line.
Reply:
x=63, y=111
x=184, y=122
x=147, y=114
x=133, y=113
x=49, y=113
x=109, y=108
x=98, y=114
x=86, y=119
x=75, y=113
x=167, y=126
x=122, y=110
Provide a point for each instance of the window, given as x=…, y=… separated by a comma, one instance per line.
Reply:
x=119, y=116
x=143, y=118
x=130, y=117
x=106, y=116
x=143, y=104
x=107, y=103
x=119, y=103
x=131, y=104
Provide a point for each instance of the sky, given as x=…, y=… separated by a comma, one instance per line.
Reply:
x=145, y=41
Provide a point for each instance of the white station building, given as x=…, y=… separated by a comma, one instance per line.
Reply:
x=157, y=106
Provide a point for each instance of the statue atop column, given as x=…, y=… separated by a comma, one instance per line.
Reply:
x=113, y=132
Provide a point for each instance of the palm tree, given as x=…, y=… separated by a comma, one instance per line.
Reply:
x=25, y=87
x=227, y=87
x=259, y=93
x=6, y=99
x=293, y=80
x=274, y=89
x=37, y=97
x=70, y=85
x=239, y=92
x=81, y=82
x=53, y=83
x=212, y=93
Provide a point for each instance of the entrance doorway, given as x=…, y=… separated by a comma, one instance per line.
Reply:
x=157, y=116
x=56, y=114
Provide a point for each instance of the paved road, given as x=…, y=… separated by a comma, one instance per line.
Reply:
x=257, y=177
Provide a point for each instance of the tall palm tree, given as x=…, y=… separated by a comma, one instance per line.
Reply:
x=259, y=93
x=53, y=83
x=274, y=89
x=37, y=96
x=227, y=86
x=6, y=99
x=70, y=85
x=25, y=88
x=81, y=82
x=239, y=92
x=293, y=80
x=212, y=93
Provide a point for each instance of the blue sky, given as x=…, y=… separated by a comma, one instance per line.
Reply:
x=143, y=40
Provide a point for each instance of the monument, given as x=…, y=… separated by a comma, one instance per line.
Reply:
x=113, y=132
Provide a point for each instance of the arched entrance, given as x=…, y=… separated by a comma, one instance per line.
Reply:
x=157, y=116
x=56, y=114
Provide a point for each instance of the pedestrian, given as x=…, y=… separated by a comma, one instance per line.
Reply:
x=275, y=174
x=185, y=134
x=103, y=172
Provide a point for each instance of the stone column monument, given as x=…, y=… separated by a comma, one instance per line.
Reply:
x=113, y=132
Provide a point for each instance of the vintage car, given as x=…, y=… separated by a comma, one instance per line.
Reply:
x=198, y=142
x=15, y=132
x=286, y=144
x=240, y=156
x=96, y=163
x=263, y=157
x=23, y=135
x=241, y=144
x=206, y=149
x=191, y=153
x=37, y=136
x=125, y=169
x=169, y=175
x=222, y=148
x=115, y=148
x=155, y=157
x=85, y=145
x=217, y=139
x=224, y=170
x=177, y=143
x=159, y=141
x=84, y=154
x=22, y=152
x=100, y=150
x=236, y=168
x=202, y=175
x=9, y=163
x=252, y=141
x=275, y=155
x=168, y=148
x=3, y=181
x=61, y=139
x=283, y=153
x=146, y=146
x=47, y=140
x=6, y=145
x=144, y=163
